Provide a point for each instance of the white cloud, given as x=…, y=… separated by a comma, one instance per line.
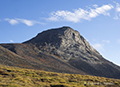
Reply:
x=117, y=7
x=95, y=5
x=69, y=16
x=103, y=10
x=79, y=14
x=11, y=40
x=24, y=21
x=106, y=41
x=93, y=14
x=12, y=21
x=98, y=46
x=117, y=15
x=27, y=22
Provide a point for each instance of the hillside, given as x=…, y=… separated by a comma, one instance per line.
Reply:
x=61, y=50
x=20, y=77
x=35, y=59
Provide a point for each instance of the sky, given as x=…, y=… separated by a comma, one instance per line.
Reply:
x=98, y=21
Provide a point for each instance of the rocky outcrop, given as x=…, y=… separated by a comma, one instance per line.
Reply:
x=66, y=43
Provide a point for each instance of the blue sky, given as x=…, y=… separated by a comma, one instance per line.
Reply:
x=96, y=20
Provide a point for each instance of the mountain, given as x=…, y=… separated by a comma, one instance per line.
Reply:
x=62, y=50
x=9, y=58
x=35, y=59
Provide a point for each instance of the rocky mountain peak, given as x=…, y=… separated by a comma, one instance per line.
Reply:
x=64, y=42
x=59, y=37
x=55, y=36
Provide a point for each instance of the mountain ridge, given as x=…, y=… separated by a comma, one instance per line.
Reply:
x=64, y=50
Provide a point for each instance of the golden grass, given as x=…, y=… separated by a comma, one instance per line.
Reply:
x=21, y=77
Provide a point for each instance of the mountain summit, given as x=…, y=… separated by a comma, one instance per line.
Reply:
x=64, y=42
x=63, y=50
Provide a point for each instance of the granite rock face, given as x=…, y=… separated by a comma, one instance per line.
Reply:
x=66, y=43
x=62, y=50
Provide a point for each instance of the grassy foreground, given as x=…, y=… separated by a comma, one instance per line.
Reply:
x=20, y=77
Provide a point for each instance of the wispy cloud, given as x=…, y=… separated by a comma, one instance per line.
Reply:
x=78, y=14
x=95, y=5
x=11, y=40
x=12, y=21
x=117, y=9
x=29, y=22
x=24, y=21
x=98, y=46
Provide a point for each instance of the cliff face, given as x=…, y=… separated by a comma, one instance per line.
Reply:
x=64, y=50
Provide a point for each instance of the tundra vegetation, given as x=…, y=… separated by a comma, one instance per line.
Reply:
x=21, y=77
